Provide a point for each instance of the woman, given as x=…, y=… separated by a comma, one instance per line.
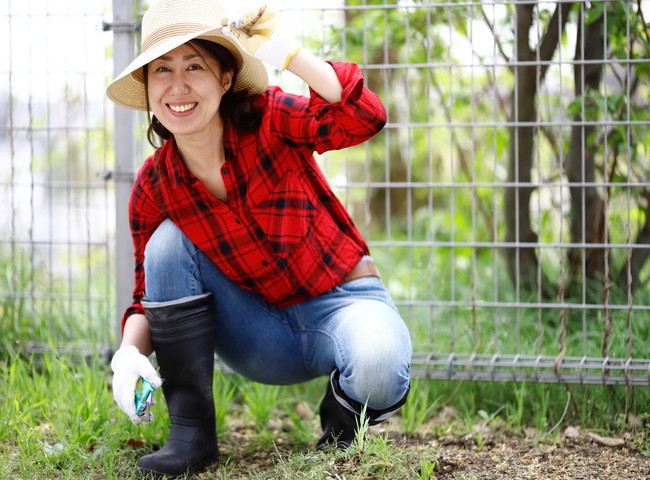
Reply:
x=240, y=245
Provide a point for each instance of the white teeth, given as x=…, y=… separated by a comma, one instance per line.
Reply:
x=182, y=108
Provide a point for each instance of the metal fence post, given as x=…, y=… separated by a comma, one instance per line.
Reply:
x=123, y=28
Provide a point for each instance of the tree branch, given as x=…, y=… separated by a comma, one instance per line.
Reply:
x=645, y=25
x=629, y=274
x=552, y=35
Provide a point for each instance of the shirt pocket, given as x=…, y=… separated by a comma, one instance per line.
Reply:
x=286, y=214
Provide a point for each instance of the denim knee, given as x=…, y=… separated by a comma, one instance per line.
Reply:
x=378, y=364
x=164, y=250
x=169, y=265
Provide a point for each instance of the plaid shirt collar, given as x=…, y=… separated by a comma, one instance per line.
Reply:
x=177, y=171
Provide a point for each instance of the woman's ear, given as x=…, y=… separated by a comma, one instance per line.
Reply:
x=226, y=80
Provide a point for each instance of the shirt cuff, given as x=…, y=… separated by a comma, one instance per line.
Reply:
x=132, y=310
x=351, y=79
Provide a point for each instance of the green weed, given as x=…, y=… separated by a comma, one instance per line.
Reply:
x=420, y=406
x=427, y=469
x=373, y=458
x=515, y=411
x=224, y=390
x=261, y=405
x=299, y=428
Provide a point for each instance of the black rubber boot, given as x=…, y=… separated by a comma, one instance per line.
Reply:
x=340, y=415
x=182, y=333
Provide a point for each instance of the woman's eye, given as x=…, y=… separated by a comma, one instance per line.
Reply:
x=161, y=69
x=194, y=67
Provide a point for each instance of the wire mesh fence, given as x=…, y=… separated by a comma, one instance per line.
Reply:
x=506, y=200
x=57, y=210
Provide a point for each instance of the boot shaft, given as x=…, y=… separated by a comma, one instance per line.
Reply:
x=183, y=337
x=182, y=334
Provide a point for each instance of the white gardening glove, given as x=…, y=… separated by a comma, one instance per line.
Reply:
x=260, y=33
x=128, y=366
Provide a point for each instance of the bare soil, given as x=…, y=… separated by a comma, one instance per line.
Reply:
x=516, y=458
x=485, y=453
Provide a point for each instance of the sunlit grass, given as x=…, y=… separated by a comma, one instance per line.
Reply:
x=59, y=420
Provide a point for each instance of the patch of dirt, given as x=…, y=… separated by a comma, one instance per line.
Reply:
x=492, y=451
x=486, y=453
x=512, y=458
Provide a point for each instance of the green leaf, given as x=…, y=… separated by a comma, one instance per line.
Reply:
x=595, y=12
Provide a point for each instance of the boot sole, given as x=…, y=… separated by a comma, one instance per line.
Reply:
x=146, y=474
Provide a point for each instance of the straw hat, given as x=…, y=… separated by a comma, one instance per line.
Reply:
x=169, y=24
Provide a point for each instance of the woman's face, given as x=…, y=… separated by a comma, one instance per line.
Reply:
x=185, y=88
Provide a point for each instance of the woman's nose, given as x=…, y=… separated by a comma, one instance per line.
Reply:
x=179, y=84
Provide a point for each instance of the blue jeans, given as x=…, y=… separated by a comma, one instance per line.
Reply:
x=354, y=327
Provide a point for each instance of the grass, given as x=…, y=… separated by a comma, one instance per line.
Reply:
x=58, y=420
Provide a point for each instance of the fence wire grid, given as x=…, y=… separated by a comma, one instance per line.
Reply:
x=505, y=202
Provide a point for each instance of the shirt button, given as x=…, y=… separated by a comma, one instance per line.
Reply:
x=237, y=221
x=265, y=263
x=225, y=172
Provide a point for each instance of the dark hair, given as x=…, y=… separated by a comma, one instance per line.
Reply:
x=237, y=109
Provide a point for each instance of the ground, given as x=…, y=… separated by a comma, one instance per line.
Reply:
x=576, y=458
x=491, y=454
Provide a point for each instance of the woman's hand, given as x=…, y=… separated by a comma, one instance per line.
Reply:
x=260, y=34
x=128, y=366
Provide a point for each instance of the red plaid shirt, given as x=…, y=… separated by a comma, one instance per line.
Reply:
x=282, y=233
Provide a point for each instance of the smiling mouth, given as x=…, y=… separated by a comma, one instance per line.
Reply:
x=182, y=108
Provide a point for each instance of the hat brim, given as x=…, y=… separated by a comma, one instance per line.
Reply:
x=128, y=89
